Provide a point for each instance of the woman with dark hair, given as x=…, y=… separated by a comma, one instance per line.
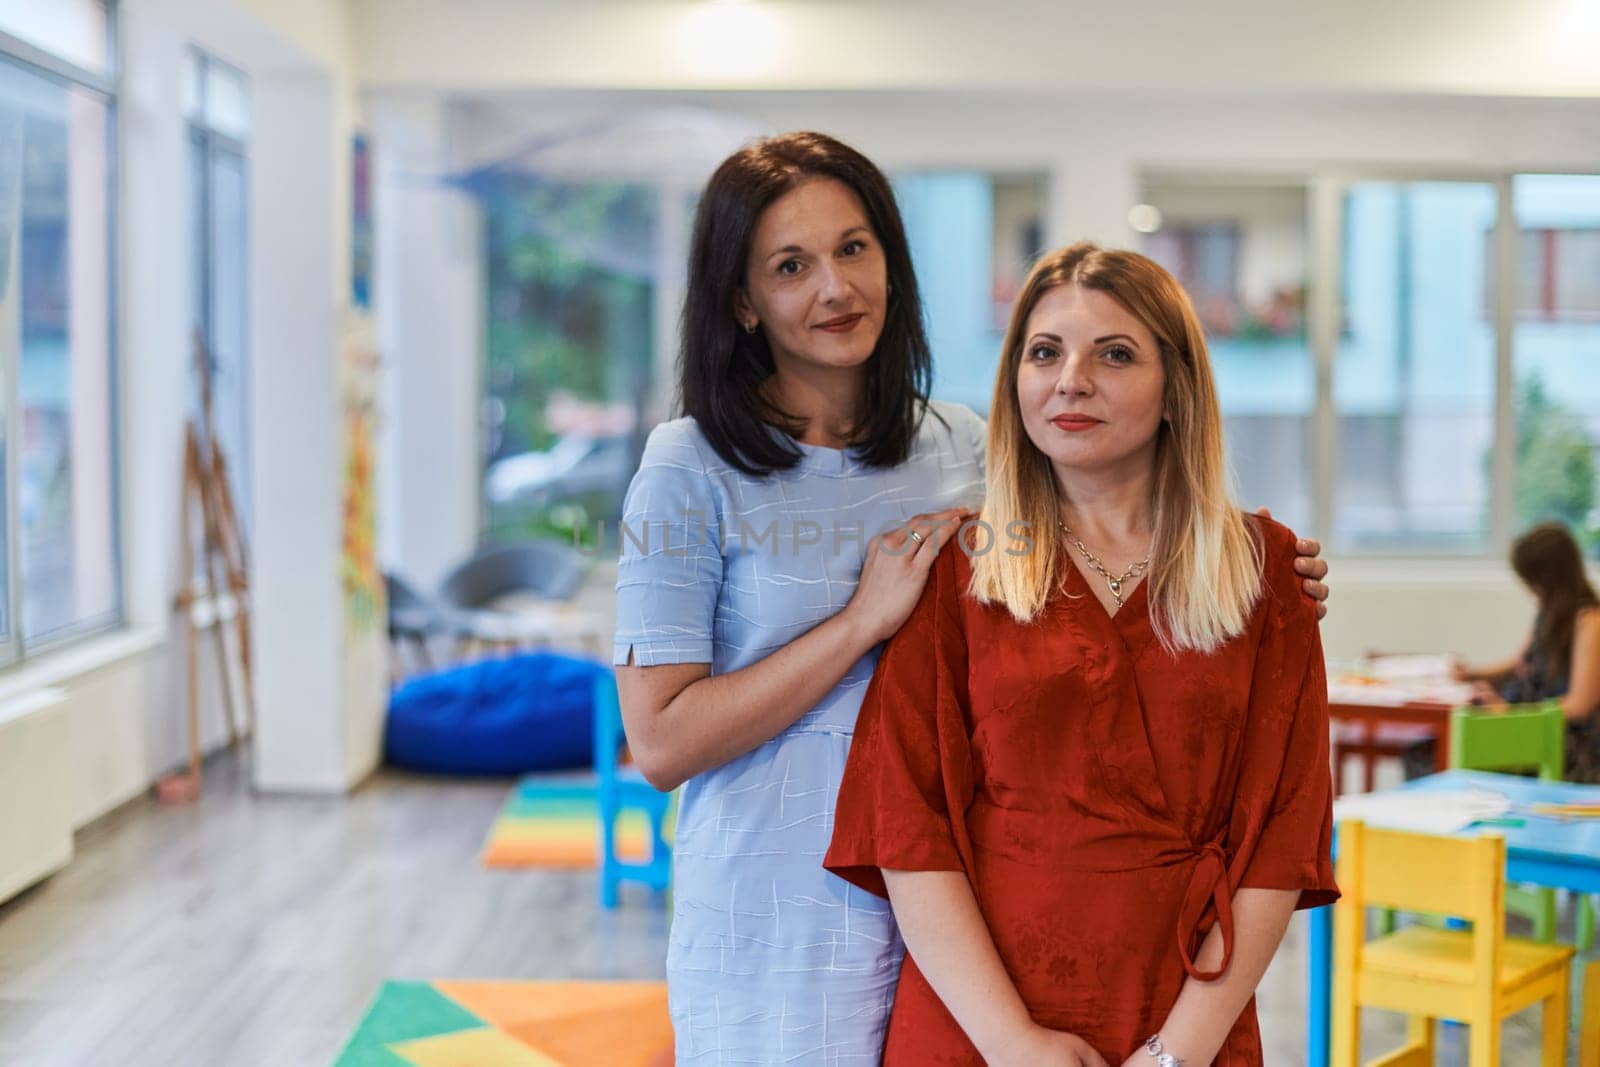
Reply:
x=1561, y=658
x=773, y=538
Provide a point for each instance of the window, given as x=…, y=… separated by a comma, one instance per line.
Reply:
x=974, y=236
x=1241, y=253
x=1204, y=257
x=1413, y=382
x=216, y=99
x=57, y=409
x=1558, y=273
x=1556, y=342
x=572, y=275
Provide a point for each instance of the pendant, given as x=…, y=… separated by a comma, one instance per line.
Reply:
x=1116, y=588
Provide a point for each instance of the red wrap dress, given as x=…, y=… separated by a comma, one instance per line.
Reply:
x=1105, y=798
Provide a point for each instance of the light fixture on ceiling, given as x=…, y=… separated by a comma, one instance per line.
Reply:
x=1144, y=218
x=728, y=40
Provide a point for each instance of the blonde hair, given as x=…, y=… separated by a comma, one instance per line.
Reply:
x=1205, y=569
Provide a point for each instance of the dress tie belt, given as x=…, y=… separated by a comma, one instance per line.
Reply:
x=1207, y=885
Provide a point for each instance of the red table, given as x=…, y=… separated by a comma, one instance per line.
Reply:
x=1385, y=704
x=1371, y=732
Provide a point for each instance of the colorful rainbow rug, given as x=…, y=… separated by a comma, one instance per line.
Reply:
x=513, y=1024
x=555, y=822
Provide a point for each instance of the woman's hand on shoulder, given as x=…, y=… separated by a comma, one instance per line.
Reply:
x=1309, y=564
x=896, y=570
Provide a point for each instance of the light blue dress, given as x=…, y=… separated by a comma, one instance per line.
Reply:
x=771, y=958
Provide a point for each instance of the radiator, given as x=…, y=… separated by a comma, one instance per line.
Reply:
x=35, y=801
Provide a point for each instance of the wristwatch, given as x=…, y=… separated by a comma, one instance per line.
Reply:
x=1163, y=1058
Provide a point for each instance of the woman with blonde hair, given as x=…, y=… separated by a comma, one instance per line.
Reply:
x=1091, y=771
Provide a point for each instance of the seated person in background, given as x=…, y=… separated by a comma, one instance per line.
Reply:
x=1561, y=659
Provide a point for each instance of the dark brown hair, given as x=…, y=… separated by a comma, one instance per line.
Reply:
x=1549, y=562
x=721, y=368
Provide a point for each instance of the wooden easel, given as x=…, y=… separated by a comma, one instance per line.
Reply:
x=223, y=565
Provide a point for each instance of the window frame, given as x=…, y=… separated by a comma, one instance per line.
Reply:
x=212, y=143
x=16, y=647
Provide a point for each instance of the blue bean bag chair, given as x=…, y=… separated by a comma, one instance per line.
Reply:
x=499, y=717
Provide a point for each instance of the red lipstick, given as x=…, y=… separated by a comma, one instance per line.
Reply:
x=842, y=324
x=1075, y=423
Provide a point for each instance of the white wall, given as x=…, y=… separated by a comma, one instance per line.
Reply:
x=323, y=676
x=1477, y=610
x=321, y=680
x=315, y=33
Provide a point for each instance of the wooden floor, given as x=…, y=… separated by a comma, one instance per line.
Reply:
x=253, y=930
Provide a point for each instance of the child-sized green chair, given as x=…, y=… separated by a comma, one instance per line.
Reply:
x=1527, y=737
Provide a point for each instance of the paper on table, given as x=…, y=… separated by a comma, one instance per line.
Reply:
x=1390, y=694
x=1428, y=812
x=1412, y=668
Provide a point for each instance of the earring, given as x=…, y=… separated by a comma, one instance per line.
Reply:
x=750, y=327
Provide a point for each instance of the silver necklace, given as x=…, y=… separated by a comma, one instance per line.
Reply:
x=1114, y=581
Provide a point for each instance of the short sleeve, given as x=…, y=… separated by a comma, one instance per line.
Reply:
x=669, y=574
x=1286, y=783
x=910, y=762
x=969, y=434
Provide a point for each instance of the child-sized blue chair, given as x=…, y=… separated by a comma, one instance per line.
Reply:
x=619, y=788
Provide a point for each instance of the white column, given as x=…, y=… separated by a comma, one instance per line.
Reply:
x=428, y=293
x=672, y=254
x=153, y=301
x=297, y=459
x=144, y=732
x=1089, y=197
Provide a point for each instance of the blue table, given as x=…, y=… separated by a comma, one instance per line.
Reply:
x=1544, y=851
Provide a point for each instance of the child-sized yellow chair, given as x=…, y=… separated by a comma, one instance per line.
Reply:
x=1477, y=977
